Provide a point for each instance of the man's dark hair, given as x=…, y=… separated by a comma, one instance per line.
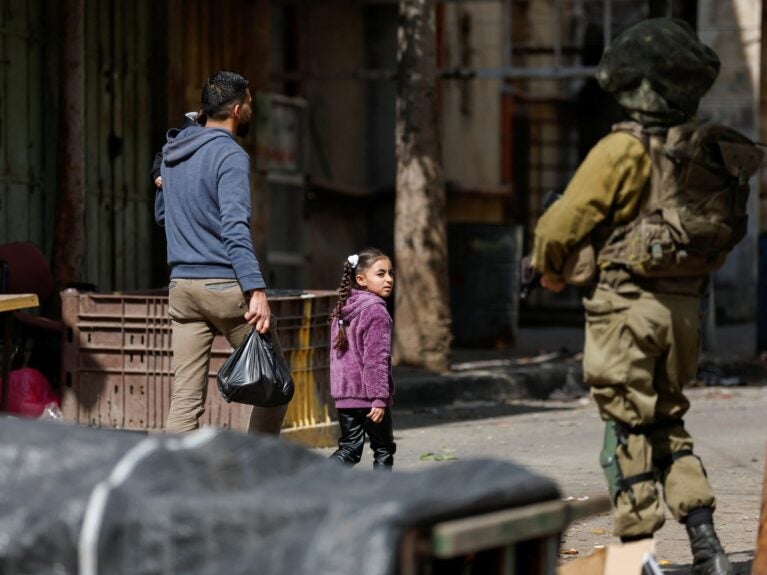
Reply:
x=220, y=91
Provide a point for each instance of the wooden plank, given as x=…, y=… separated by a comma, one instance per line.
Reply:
x=14, y=301
x=490, y=530
x=759, y=566
x=461, y=536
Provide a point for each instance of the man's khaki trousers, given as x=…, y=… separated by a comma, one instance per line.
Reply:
x=641, y=349
x=199, y=309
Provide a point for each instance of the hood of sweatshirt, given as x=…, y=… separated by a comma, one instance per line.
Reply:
x=182, y=144
x=358, y=301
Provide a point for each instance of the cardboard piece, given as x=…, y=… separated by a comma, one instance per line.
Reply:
x=637, y=558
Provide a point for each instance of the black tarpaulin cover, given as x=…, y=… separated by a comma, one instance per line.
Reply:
x=84, y=501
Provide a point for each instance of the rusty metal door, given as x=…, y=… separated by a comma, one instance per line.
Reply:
x=119, y=197
x=119, y=51
x=24, y=204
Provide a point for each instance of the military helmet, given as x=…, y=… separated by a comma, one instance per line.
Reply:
x=658, y=70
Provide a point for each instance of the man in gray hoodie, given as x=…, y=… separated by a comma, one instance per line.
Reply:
x=216, y=283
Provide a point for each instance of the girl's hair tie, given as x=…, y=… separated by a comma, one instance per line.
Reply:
x=340, y=322
x=353, y=260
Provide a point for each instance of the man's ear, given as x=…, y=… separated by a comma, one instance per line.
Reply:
x=236, y=111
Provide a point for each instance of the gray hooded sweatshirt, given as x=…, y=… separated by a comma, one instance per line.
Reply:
x=204, y=207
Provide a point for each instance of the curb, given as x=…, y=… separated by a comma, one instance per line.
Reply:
x=530, y=382
x=561, y=378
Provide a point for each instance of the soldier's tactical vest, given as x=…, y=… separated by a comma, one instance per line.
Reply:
x=694, y=212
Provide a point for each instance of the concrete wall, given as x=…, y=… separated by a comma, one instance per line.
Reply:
x=733, y=29
x=351, y=131
x=471, y=109
x=332, y=46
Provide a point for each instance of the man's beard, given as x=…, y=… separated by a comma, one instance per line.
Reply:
x=243, y=129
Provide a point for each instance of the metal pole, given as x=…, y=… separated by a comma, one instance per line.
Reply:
x=69, y=234
x=607, y=23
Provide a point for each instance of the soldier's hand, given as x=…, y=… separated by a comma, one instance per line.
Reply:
x=552, y=285
x=258, y=313
x=158, y=182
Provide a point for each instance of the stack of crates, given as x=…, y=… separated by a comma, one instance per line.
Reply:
x=117, y=363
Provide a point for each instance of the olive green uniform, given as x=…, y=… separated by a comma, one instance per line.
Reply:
x=641, y=346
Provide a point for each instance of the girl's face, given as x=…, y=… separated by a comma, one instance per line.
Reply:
x=378, y=278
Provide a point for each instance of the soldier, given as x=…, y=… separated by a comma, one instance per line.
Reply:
x=660, y=200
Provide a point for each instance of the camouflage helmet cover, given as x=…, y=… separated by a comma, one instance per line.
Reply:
x=658, y=71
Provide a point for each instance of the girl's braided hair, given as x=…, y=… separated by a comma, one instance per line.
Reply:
x=366, y=258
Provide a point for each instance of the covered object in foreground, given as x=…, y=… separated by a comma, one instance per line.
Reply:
x=83, y=501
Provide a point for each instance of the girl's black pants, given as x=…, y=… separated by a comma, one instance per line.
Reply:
x=354, y=425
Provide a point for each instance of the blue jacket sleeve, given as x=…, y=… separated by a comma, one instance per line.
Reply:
x=234, y=205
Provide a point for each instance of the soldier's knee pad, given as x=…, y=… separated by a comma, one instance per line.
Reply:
x=616, y=435
x=608, y=459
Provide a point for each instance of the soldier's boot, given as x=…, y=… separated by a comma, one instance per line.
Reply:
x=708, y=555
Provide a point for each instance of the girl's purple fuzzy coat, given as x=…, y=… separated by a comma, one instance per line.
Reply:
x=361, y=375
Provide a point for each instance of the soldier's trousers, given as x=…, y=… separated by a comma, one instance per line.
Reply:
x=641, y=349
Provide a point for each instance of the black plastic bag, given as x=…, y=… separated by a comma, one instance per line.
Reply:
x=255, y=374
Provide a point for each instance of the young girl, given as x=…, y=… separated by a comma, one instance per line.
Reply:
x=360, y=359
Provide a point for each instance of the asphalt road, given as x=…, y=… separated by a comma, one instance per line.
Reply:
x=561, y=439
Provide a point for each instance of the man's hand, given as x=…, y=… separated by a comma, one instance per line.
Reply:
x=258, y=313
x=552, y=285
x=376, y=414
x=158, y=182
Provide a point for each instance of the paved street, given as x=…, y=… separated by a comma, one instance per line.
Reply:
x=561, y=439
